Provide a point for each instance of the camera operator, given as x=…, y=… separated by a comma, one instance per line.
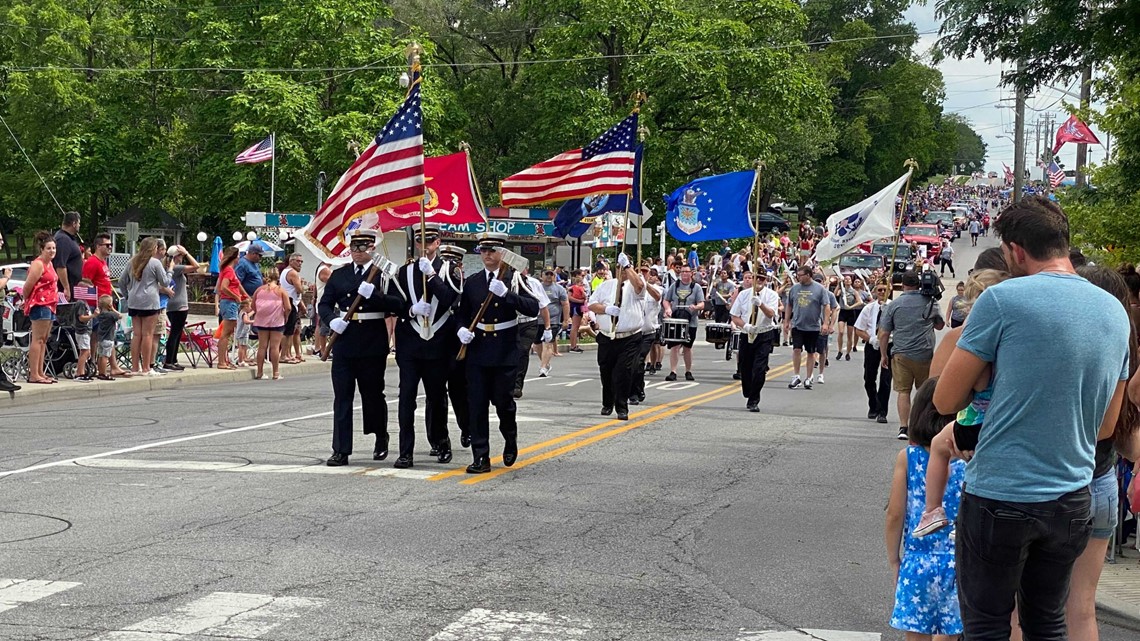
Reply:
x=908, y=325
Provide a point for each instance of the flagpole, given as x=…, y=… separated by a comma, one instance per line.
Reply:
x=638, y=98
x=272, y=169
x=466, y=149
x=912, y=165
x=756, y=226
x=413, y=52
x=642, y=133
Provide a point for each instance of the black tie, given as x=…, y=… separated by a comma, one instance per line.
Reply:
x=360, y=272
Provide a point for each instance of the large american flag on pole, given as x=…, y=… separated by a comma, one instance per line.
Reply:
x=260, y=152
x=388, y=173
x=605, y=166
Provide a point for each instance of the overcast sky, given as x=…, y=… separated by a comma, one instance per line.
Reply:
x=973, y=90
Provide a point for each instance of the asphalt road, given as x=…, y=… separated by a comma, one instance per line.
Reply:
x=205, y=513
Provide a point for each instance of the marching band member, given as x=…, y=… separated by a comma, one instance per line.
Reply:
x=456, y=370
x=618, y=346
x=650, y=329
x=754, y=312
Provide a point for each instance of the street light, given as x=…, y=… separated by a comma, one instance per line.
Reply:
x=201, y=243
x=251, y=236
x=237, y=236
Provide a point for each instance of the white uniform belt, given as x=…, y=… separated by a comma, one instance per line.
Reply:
x=363, y=316
x=527, y=319
x=497, y=327
x=626, y=334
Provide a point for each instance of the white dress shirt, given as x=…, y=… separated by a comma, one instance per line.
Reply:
x=742, y=307
x=632, y=316
x=652, y=310
x=537, y=290
x=868, y=321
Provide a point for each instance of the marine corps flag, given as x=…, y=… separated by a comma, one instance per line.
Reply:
x=449, y=197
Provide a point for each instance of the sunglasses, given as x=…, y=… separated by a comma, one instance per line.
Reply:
x=359, y=247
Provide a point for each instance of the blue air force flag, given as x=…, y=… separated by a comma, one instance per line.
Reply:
x=869, y=220
x=713, y=208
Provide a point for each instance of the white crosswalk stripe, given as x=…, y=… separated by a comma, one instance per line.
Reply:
x=229, y=615
x=231, y=466
x=502, y=625
x=14, y=592
x=807, y=634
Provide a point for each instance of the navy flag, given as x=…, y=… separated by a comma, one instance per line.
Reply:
x=575, y=217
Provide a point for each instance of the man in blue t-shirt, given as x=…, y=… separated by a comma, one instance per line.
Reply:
x=694, y=260
x=248, y=270
x=1025, y=514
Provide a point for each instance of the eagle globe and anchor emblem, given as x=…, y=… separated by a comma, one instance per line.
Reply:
x=688, y=213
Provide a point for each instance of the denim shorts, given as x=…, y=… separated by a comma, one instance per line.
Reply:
x=1105, y=505
x=228, y=309
x=41, y=312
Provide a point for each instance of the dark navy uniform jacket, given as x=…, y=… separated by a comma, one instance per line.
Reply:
x=362, y=338
x=444, y=290
x=495, y=347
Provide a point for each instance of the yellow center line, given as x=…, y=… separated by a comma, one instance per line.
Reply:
x=625, y=426
x=572, y=435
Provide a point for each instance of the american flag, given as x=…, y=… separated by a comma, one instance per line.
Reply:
x=605, y=166
x=388, y=173
x=1008, y=174
x=1056, y=174
x=86, y=294
x=260, y=152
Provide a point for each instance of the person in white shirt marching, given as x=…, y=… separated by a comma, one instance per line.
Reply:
x=754, y=312
x=619, y=335
x=652, y=313
x=867, y=328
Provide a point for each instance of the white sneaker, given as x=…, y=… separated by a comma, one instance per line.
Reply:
x=819, y=379
x=152, y=372
x=542, y=372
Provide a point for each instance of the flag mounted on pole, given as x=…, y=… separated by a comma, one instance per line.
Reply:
x=387, y=174
x=449, y=197
x=1056, y=174
x=869, y=220
x=712, y=208
x=605, y=166
x=1008, y=174
x=1073, y=130
x=576, y=216
x=260, y=152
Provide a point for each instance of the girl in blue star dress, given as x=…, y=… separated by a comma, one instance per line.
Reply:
x=926, y=593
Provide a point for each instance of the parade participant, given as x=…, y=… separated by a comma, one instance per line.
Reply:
x=578, y=299
x=492, y=349
x=558, y=311
x=685, y=300
x=876, y=378
x=650, y=333
x=829, y=319
x=456, y=369
x=946, y=258
x=360, y=350
x=722, y=293
x=754, y=312
x=532, y=329
x=424, y=329
x=621, y=317
x=805, y=312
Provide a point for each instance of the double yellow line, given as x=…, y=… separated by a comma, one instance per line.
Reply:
x=611, y=428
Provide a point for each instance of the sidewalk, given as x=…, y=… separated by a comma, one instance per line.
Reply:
x=1118, y=594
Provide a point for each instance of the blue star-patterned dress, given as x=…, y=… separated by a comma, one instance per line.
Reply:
x=926, y=597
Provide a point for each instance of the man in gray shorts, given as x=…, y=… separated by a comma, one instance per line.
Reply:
x=805, y=316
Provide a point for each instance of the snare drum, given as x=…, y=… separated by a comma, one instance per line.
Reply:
x=675, y=331
x=734, y=342
x=718, y=333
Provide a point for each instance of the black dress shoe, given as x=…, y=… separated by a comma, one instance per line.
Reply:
x=606, y=411
x=872, y=414
x=753, y=407
x=337, y=459
x=510, y=453
x=672, y=376
x=480, y=466
x=465, y=440
x=736, y=376
x=434, y=451
x=380, y=451
x=443, y=452
x=634, y=401
x=881, y=418
x=641, y=398
x=403, y=462
x=9, y=386
x=623, y=416
x=517, y=393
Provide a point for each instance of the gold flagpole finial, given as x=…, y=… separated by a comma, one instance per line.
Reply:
x=638, y=99
x=412, y=52
x=759, y=164
x=463, y=146
x=911, y=163
x=642, y=133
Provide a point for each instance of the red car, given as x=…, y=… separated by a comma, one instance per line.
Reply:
x=929, y=235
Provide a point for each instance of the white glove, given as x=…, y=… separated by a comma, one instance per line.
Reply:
x=613, y=310
x=426, y=267
x=748, y=328
x=338, y=325
x=465, y=335
x=547, y=336
x=421, y=309
x=623, y=260
x=366, y=288
x=756, y=301
x=498, y=288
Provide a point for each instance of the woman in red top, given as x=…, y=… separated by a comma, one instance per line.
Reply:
x=228, y=294
x=41, y=293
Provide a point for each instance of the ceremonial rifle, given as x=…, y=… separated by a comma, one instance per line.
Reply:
x=380, y=265
x=510, y=260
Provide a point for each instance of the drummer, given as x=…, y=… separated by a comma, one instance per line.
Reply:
x=722, y=294
x=685, y=299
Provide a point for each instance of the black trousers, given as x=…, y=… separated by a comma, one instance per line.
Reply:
x=456, y=372
x=348, y=375
x=494, y=386
x=433, y=373
x=720, y=314
x=753, y=364
x=177, y=325
x=637, y=387
x=878, y=393
x=528, y=332
x=947, y=262
x=616, y=359
x=1025, y=549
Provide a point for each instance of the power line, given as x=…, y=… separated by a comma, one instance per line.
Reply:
x=21, y=147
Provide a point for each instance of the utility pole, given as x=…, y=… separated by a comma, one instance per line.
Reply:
x=1019, y=142
x=1082, y=148
x=1037, y=145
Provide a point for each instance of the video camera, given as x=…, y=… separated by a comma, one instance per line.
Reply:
x=930, y=285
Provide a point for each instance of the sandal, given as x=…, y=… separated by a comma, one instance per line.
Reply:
x=277, y=377
x=226, y=367
x=104, y=377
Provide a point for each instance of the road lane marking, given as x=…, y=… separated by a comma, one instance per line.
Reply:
x=256, y=468
x=482, y=625
x=572, y=435
x=220, y=614
x=14, y=592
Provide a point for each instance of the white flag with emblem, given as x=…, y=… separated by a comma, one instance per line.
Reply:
x=869, y=220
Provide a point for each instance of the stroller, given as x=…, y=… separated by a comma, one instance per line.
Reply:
x=62, y=354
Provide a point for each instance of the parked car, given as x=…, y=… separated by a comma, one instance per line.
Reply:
x=850, y=263
x=929, y=236
x=771, y=223
x=784, y=209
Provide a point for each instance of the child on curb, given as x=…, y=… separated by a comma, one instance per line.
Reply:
x=83, y=331
x=968, y=423
x=926, y=593
x=241, y=332
x=106, y=322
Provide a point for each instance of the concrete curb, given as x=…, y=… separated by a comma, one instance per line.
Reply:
x=1118, y=612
